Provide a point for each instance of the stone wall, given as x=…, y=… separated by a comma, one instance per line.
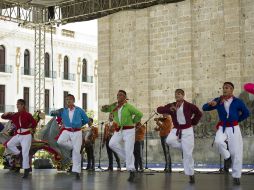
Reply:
x=195, y=45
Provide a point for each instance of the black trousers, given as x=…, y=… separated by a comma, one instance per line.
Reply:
x=138, y=154
x=110, y=153
x=90, y=156
x=166, y=153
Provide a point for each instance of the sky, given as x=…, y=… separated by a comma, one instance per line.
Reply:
x=86, y=27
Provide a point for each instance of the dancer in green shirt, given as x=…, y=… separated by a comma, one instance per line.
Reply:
x=127, y=117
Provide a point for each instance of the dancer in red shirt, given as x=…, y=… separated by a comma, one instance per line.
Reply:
x=23, y=122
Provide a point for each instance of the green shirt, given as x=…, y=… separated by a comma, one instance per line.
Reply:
x=130, y=115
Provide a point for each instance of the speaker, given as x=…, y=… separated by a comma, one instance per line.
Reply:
x=51, y=12
x=43, y=164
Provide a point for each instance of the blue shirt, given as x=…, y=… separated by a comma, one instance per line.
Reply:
x=237, y=110
x=79, y=117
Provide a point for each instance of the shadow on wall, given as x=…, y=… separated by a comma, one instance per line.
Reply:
x=206, y=126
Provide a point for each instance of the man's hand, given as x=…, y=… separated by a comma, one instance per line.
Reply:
x=212, y=103
x=7, y=113
x=105, y=107
x=172, y=108
x=138, y=125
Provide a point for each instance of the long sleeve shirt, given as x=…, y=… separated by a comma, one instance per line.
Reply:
x=191, y=113
x=91, y=134
x=140, y=133
x=164, y=127
x=237, y=110
x=129, y=114
x=109, y=131
x=21, y=120
x=78, y=120
x=95, y=134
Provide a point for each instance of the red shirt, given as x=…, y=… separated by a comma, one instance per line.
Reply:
x=21, y=119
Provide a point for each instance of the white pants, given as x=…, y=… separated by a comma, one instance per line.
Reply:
x=72, y=141
x=235, y=146
x=25, y=142
x=186, y=144
x=125, y=151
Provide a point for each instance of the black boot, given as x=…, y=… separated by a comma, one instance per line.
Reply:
x=77, y=175
x=227, y=164
x=110, y=168
x=132, y=176
x=192, y=179
x=236, y=181
x=26, y=173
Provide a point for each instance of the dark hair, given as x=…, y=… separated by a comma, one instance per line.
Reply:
x=229, y=83
x=123, y=92
x=22, y=101
x=70, y=95
x=90, y=119
x=179, y=90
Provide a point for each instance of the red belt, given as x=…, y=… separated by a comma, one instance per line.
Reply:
x=227, y=124
x=22, y=133
x=67, y=129
x=124, y=128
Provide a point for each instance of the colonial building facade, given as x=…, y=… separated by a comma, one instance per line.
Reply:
x=70, y=67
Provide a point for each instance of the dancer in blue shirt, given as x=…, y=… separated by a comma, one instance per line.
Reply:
x=70, y=136
x=231, y=111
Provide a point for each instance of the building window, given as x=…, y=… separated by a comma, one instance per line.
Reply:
x=65, y=93
x=2, y=58
x=84, y=71
x=66, y=67
x=46, y=65
x=46, y=101
x=27, y=62
x=2, y=98
x=26, y=97
x=84, y=101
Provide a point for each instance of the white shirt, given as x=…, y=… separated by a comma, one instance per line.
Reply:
x=180, y=115
x=120, y=114
x=227, y=105
x=71, y=113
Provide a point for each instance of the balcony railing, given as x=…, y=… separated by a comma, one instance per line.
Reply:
x=87, y=79
x=5, y=68
x=69, y=76
x=48, y=74
x=27, y=71
x=11, y=108
x=68, y=33
x=7, y=108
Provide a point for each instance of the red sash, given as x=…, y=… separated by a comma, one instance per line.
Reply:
x=67, y=129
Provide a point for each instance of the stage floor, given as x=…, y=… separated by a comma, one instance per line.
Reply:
x=50, y=179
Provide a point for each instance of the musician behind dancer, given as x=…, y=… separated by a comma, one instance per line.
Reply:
x=108, y=133
x=164, y=126
x=138, y=147
x=89, y=145
x=24, y=123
